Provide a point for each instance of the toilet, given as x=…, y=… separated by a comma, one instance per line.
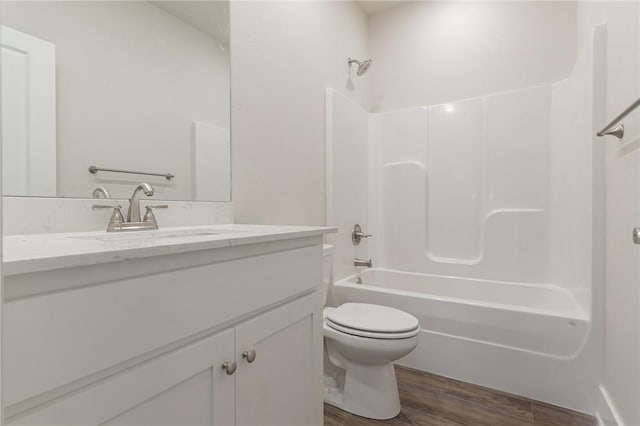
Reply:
x=361, y=342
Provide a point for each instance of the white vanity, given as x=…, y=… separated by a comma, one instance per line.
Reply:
x=200, y=325
x=215, y=325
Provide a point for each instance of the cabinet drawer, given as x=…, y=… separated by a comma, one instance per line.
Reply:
x=54, y=339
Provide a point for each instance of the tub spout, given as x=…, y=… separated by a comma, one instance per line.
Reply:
x=361, y=262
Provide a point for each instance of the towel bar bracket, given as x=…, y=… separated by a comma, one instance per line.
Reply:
x=618, y=131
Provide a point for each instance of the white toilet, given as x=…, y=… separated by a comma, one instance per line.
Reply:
x=361, y=342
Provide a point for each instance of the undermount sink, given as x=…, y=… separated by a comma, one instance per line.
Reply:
x=158, y=234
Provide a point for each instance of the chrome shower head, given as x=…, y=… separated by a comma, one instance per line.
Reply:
x=363, y=66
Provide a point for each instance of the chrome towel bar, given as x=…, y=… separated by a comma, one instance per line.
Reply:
x=93, y=170
x=618, y=130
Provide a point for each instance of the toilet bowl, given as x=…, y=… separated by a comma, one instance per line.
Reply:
x=361, y=342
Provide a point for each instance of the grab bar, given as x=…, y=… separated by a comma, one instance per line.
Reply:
x=618, y=131
x=93, y=170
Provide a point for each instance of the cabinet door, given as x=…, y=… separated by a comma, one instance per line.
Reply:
x=184, y=387
x=283, y=385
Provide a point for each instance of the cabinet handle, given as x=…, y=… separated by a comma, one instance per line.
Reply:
x=230, y=367
x=250, y=356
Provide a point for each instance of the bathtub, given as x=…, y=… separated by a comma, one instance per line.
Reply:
x=535, y=318
x=528, y=339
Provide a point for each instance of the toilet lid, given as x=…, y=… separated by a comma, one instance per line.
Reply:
x=372, y=318
x=373, y=334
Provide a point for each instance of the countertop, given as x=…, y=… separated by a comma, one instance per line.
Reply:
x=42, y=252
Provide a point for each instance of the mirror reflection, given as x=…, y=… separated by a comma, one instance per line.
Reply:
x=92, y=91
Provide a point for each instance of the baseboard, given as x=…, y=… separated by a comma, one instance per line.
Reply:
x=607, y=414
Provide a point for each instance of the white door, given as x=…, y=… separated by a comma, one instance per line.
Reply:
x=28, y=114
x=281, y=386
x=184, y=387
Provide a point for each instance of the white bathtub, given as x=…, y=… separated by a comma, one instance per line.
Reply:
x=526, y=339
x=539, y=319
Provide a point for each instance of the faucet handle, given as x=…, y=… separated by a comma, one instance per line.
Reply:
x=117, y=218
x=357, y=234
x=149, y=216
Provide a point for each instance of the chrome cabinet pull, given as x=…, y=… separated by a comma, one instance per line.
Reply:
x=636, y=235
x=230, y=367
x=250, y=356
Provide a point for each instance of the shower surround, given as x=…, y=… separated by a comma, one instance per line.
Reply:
x=465, y=186
x=482, y=214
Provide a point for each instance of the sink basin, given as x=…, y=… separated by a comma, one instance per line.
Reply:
x=155, y=235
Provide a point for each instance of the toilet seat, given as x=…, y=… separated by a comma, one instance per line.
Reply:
x=371, y=334
x=372, y=321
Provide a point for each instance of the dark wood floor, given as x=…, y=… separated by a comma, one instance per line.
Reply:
x=429, y=400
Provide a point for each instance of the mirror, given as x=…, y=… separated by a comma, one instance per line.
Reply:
x=91, y=90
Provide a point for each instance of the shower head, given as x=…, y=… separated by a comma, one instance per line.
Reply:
x=363, y=66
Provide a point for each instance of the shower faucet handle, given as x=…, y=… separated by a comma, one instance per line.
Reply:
x=357, y=235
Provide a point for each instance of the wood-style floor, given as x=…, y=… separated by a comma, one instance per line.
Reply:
x=430, y=400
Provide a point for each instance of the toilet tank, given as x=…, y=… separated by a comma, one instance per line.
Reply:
x=327, y=271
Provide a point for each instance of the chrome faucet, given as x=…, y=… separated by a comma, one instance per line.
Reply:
x=362, y=262
x=133, y=222
x=133, y=214
x=101, y=191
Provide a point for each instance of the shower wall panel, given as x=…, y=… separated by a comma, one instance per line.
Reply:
x=517, y=149
x=455, y=144
x=347, y=178
x=464, y=186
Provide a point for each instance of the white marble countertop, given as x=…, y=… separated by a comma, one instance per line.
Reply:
x=43, y=252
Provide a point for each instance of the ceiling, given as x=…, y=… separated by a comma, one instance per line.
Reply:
x=211, y=17
x=371, y=7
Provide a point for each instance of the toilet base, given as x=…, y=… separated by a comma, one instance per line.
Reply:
x=367, y=390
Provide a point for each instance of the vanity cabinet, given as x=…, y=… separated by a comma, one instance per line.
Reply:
x=280, y=386
x=186, y=387
x=276, y=386
x=260, y=313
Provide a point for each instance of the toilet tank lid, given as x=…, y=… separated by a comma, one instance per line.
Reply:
x=327, y=249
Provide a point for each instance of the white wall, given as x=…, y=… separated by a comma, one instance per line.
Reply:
x=131, y=79
x=620, y=388
x=433, y=52
x=285, y=55
x=1, y=274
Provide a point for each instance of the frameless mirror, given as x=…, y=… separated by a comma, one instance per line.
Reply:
x=111, y=94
